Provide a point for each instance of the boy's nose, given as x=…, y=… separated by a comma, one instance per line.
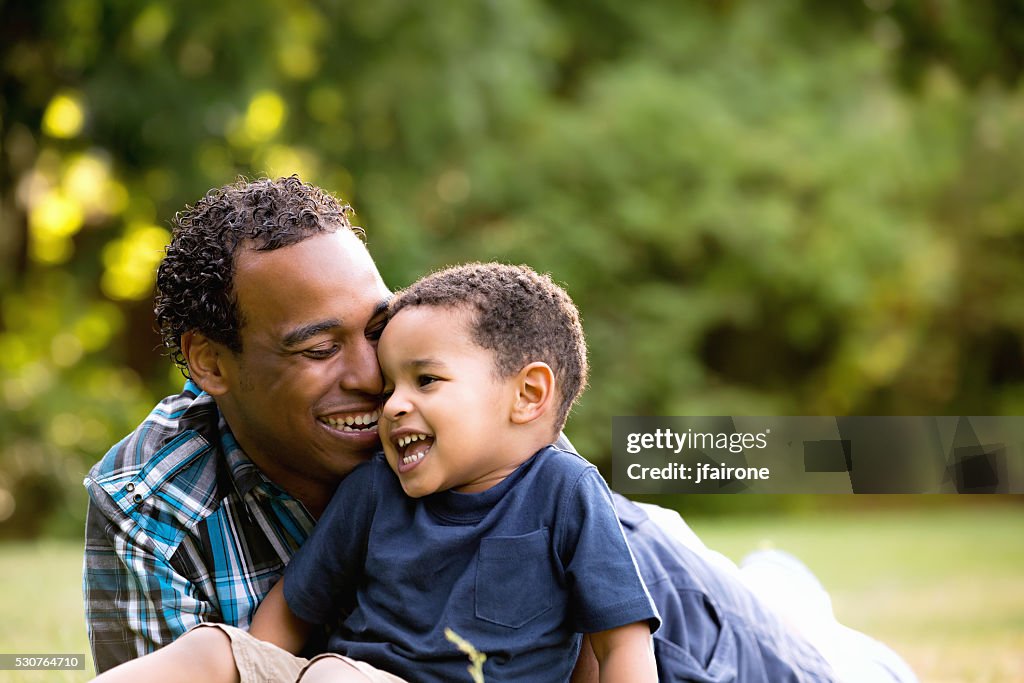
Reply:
x=395, y=407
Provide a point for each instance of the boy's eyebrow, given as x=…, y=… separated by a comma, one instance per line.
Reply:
x=306, y=332
x=421, y=363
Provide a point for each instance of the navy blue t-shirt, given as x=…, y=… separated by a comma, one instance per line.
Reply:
x=519, y=570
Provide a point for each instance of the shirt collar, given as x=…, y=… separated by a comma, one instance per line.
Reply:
x=245, y=476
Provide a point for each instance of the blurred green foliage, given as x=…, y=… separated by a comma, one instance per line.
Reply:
x=760, y=208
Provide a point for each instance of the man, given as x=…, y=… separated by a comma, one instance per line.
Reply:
x=270, y=303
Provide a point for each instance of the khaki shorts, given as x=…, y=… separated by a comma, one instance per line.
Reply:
x=261, y=662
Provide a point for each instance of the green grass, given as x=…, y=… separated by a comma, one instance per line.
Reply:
x=943, y=587
x=41, y=606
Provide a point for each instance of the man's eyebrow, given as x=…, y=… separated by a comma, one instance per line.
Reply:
x=305, y=332
x=381, y=307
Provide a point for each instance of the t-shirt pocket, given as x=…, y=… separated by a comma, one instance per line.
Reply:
x=514, y=579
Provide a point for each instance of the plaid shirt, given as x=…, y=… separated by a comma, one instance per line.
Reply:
x=182, y=528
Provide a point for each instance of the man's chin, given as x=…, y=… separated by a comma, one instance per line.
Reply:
x=342, y=465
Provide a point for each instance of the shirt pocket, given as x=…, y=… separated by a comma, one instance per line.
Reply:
x=515, y=583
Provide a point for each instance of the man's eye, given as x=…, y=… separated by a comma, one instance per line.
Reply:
x=321, y=353
x=374, y=331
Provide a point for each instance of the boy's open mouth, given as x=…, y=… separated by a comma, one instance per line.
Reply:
x=412, y=448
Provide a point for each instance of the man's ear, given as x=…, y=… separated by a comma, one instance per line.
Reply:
x=205, y=363
x=535, y=391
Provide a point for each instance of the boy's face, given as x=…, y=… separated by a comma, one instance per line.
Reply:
x=446, y=422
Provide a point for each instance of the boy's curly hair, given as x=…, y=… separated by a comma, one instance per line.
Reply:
x=520, y=315
x=194, y=284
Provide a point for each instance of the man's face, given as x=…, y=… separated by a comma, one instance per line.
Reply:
x=303, y=394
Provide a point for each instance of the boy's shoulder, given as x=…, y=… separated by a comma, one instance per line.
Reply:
x=561, y=469
x=555, y=457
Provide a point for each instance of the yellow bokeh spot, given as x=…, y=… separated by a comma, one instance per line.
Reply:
x=50, y=249
x=151, y=26
x=85, y=181
x=66, y=349
x=64, y=116
x=65, y=430
x=131, y=261
x=15, y=395
x=56, y=214
x=297, y=60
x=281, y=160
x=33, y=379
x=115, y=197
x=264, y=117
x=14, y=352
x=95, y=329
x=53, y=220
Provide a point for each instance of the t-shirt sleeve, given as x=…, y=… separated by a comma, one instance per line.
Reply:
x=606, y=590
x=322, y=577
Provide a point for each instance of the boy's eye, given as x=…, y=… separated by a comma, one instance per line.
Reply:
x=386, y=394
x=424, y=380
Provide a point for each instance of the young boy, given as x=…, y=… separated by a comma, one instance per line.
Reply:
x=470, y=520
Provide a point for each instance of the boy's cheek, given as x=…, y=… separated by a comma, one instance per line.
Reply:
x=389, y=454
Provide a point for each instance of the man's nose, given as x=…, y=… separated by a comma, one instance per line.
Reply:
x=360, y=372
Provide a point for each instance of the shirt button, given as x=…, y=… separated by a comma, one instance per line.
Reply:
x=137, y=497
x=129, y=488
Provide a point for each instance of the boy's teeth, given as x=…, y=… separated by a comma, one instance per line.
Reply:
x=413, y=453
x=406, y=440
x=409, y=459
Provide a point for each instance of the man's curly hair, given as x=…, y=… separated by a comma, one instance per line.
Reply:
x=194, y=284
x=520, y=315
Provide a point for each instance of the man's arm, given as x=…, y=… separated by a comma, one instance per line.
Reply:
x=135, y=602
x=625, y=654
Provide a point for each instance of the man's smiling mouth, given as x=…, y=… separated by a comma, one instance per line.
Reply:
x=354, y=423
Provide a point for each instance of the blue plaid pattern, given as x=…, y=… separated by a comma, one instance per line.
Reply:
x=182, y=528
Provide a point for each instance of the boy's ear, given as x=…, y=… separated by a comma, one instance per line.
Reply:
x=205, y=366
x=535, y=392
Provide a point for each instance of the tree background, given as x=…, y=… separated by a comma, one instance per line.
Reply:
x=791, y=207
